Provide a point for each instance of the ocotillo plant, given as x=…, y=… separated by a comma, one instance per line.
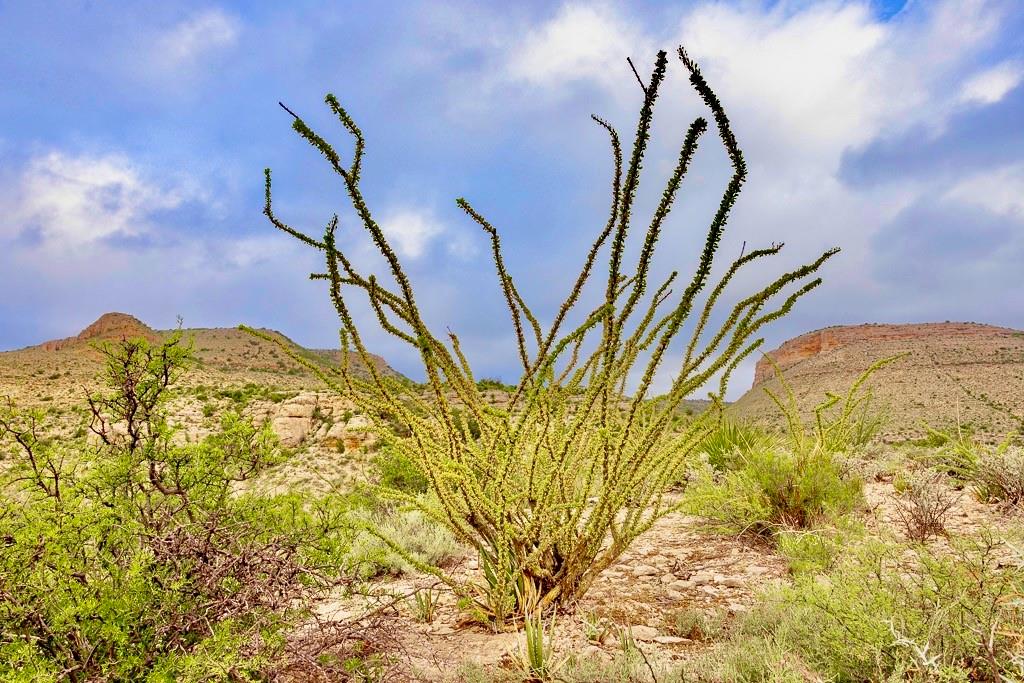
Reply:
x=553, y=487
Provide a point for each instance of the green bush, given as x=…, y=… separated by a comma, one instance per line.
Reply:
x=731, y=441
x=400, y=472
x=137, y=558
x=773, y=490
x=995, y=473
x=888, y=612
x=813, y=551
x=418, y=542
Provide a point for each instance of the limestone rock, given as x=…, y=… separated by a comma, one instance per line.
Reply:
x=644, y=633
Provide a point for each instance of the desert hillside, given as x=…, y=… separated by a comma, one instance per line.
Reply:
x=234, y=371
x=951, y=369
x=227, y=357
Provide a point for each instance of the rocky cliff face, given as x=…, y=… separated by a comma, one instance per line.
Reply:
x=948, y=374
x=821, y=342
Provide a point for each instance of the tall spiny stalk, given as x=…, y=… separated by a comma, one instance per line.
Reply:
x=557, y=484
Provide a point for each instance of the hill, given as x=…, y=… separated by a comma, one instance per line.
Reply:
x=952, y=371
x=61, y=369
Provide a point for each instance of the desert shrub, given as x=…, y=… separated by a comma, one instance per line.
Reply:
x=774, y=490
x=957, y=451
x=999, y=476
x=889, y=612
x=395, y=470
x=413, y=541
x=493, y=383
x=573, y=459
x=923, y=506
x=133, y=558
x=695, y=624
x=814, y=551
x=995, y=473
x=799, y=482
x=841, y=423
x=731, y=441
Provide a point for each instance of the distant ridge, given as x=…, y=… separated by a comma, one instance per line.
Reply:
x=225, y=357
x=829, y=339
x=953, y=371
x=109, y=326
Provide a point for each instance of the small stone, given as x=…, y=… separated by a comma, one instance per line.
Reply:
x=702, y=578
x=674, y=595
x=670, y=640
x=731, y=581
x=644, y=570
x=719, y=578
x=682, y=585
x=644, y=633
x=668, y=578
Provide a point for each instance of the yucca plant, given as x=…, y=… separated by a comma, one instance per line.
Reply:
x=553, y=487
x=425, y=602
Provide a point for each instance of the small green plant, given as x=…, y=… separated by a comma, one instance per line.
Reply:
x=595, y=629
x=995, y=473
x=958, y=452
x=998, y=476
x=425, y=602
x=775, y=490
x=731, y=441
x=696, y=624
x=814, y=551
x=537, y=650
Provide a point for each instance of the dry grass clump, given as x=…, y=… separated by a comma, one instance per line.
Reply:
x=923, y=506
x=999, y=476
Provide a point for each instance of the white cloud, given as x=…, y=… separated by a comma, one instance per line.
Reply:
x=808, y=81
x=580, y=43
x=70, y=201
x=1000, y=190
x=410, y=230
x=991, y=85
x=189, y=40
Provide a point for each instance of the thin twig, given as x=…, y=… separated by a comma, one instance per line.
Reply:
x=635, y=73
x=288, y=110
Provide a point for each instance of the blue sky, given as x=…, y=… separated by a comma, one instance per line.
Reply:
x=133, y=138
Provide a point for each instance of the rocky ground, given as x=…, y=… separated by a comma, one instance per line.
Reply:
x=674, y=573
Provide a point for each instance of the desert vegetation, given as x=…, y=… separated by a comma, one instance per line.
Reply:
x=538, y=487
x=160, y=523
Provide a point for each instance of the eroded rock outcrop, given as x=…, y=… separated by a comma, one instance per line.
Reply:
x=829, y=339
x=109, y=326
